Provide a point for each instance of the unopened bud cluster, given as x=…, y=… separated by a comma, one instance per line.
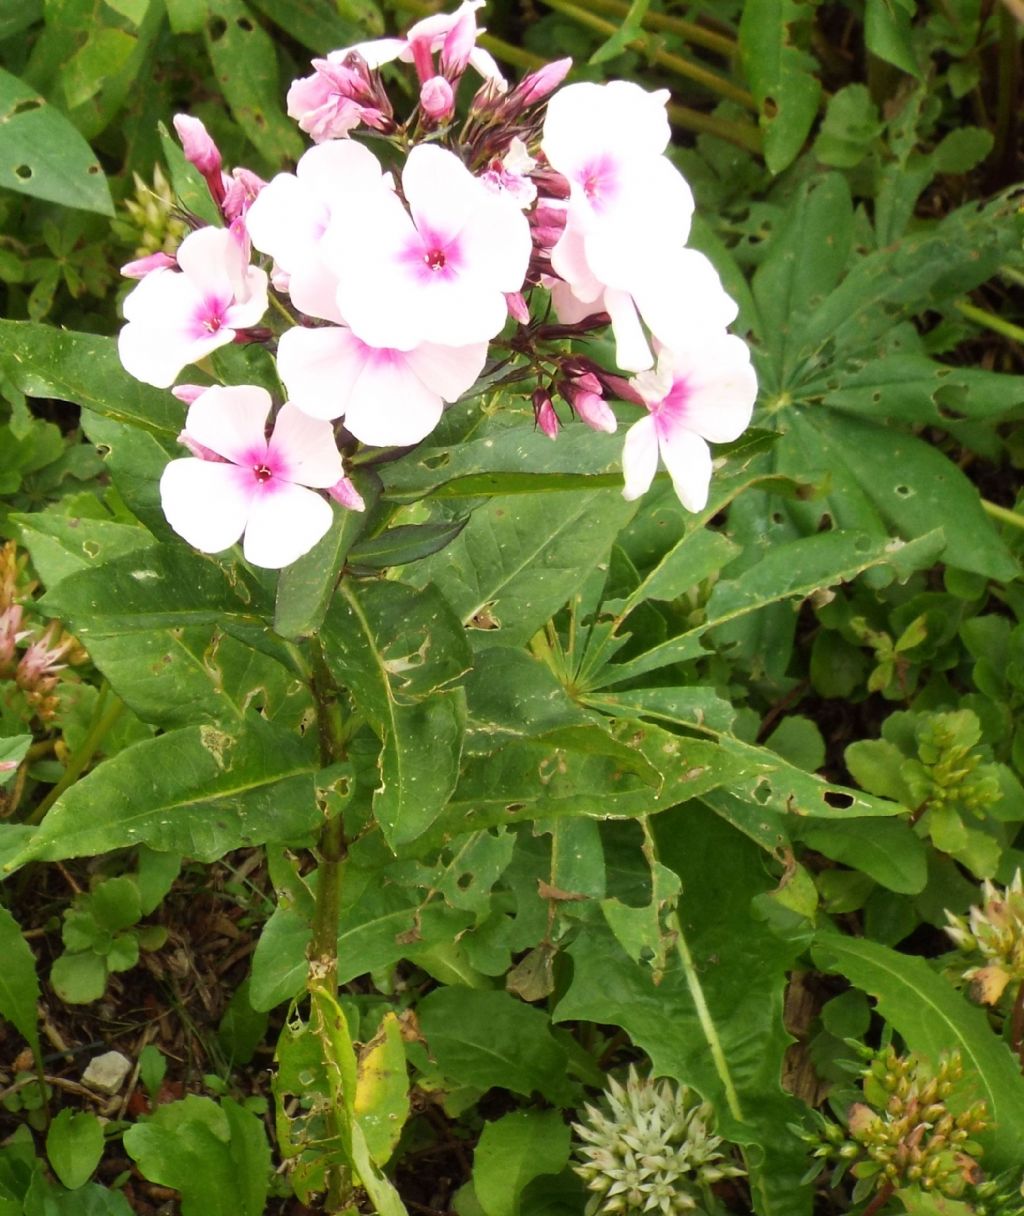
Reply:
x=649, y=1147
x=995, y=931
x=29, y=673
x=153, y=224
x=904, y=1134
x=950, y=773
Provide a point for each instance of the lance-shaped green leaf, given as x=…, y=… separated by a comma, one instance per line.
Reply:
x=166, y=586
x=787, y=571
x=781, y=74
x=43, y=154
x=404, y=544
x=314, y=23
x=61, y=545
x=519, y=560
x=713, y=1019
x=19, y=986
x=43, y=361
x=400, y=652
x=932, y=1018
x=199, y=791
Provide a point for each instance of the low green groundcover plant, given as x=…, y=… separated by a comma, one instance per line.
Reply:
x=544, y=600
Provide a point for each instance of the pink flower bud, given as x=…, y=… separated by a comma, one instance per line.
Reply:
x=594, y=411
x=458, y=44
x=345, y=493
x=517, y=307
x=142, y=266
x=437, y=100
x=187, y=393
x=538, y=85
x=8, y=766
x=243, y=187
x=199, y=450
x=199, y=148
x=544, y=412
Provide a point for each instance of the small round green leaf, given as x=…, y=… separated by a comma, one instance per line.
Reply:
x=74, y=1145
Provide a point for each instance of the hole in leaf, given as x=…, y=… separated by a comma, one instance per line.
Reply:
x=762, y=792
x=838, y=800
x=26, y=104
x=436, y=462
x=216, y=28
x=244, y=23
x=93, y=170
x=777, y=517
x=904, y=491
x=23, y=171
x=464, y=882
x=512, y=807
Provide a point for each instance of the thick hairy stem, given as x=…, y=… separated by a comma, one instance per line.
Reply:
x=322, y=979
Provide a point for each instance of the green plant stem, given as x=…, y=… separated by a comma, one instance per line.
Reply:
x=707, y=1024
x=880, y=1200
x=103, y=719
x=674, y=63
x=1005, y=516
x=1017, y=1025
x=990, y=321
x=322, y=978
x=1005, y=148
x=699, y=35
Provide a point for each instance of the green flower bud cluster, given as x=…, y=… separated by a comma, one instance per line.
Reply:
x=153, y=224
x=995, y=931
x=1002, y=1196
x=904, y=1134
x=949, y=773
x=649, y=1148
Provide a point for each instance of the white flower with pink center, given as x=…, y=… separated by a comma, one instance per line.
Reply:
x=177, y=316
x=628, y=206
x=698, y=395
x=290, y=216
x=249, y=484
x=438, y=275
x=387, y=397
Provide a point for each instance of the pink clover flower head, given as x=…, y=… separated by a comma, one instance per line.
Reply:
x=291, y=215
x=702, y=394
x=40, y=662
x=257, y=486
x=177, y=316
x=387, y=397
x=439, y=275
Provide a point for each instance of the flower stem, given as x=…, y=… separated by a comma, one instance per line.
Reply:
x=103, y=719
x=322, y=976
x=699, y=35
x=1017, y=1024
x=990, y=321
x=707, y=1024
x=1005, y=516
x=674, y=63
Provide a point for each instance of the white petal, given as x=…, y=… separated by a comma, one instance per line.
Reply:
x=251, y=300
x=688, y=460
x=681, y=298
x=390, y=406
x=338, y=167
x=287, y=220
x=496, y=242
x=231, y=421
x=632, y=352
x=721, y=388
x=205, y=502
x=376, y=52
x=569, y=259
x=448, y=371
x=460, y=311
x=284, y=524
x=587, y=121
x=319, y=367
x=314, y=290
x=307, y=447
x=441, y=191
x=639, y=458
x=213, y=259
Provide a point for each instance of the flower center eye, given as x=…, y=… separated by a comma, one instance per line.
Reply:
x=262, y=473
x=435, y=259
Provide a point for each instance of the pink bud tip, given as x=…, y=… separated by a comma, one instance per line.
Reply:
x=547, y=420
x=594, y=411
x=8, y=766
x=540, y=84
x=142, y=266
x=187, y=393
x=200, y=451
x=437, y=99
x=199, y=148
x=345, y=493
x=517, y=307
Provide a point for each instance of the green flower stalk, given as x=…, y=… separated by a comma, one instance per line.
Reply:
x=649, y=1148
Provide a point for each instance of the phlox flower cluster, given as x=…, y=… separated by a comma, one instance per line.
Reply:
x=494, y=245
